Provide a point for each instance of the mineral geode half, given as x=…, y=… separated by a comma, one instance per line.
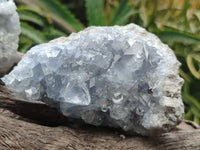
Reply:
x=9, y=35
x=120, y=76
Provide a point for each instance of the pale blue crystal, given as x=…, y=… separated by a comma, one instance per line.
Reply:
x=119, y=76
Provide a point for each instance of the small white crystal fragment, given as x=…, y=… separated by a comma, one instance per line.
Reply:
x=120, y=76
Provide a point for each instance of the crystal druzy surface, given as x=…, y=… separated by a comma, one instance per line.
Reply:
x=9, y=35
x=120, y=76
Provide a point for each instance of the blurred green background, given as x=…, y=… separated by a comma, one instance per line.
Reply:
x=176, y=22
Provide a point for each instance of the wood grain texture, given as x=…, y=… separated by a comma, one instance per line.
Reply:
x=25, y=125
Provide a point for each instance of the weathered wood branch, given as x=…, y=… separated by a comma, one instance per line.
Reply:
x=25, y=125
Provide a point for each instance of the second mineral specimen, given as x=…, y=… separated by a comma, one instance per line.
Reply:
x=119, y=76
x=9, y=35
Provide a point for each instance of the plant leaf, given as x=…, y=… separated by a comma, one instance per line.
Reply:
x=123, y=13
x=95, y=12
x=191, y=65
x=31, y=8
x=30, y=17
x=174, y=35
x=24, y=44
x=33, y=34
x=186, y=7
x=191, y=100
x=53, y=33
x=58, y=12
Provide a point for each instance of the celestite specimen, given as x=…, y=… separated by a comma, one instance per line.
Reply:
x=9, y=35
x=120, y=76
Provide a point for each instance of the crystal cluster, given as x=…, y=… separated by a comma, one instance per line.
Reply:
x=9, y=35
x=120, y=76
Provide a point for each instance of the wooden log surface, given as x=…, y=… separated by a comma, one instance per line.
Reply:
x=25, y=125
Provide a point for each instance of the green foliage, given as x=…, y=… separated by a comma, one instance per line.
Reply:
x=59, y=14
x=122, y=13
x=34, y=35
x=95, y=12
x=174, y=35
x=43, y=20
x=176, y=22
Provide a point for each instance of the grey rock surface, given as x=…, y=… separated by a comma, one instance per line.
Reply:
x=9, y=35
x=120, y=76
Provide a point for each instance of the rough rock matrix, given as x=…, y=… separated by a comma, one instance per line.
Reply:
x=9, y=35
x=120, y=76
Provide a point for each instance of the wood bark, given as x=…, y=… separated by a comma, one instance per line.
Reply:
x=25, y=125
